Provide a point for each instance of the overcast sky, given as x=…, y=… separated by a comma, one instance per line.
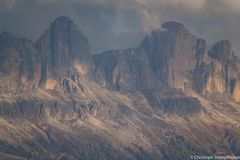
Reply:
x=113, y=24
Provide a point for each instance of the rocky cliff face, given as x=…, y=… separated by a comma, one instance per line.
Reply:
x=19, y=59
x=172, y=54
x=167, y=57
x=62, y=47
x=173, y=58
x=125, y=70
x=169, y=98
x=219, y=74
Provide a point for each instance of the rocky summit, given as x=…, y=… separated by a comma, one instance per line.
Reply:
x=169, y=98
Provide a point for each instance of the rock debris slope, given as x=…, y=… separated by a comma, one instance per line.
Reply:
x=168, y=98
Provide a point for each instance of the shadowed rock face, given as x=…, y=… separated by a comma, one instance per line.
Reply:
x=175, y=28
x=167, y=57
x=173, y=102
x=61, y=47
x=125, y=70
x=222, y=51
x=172, y=54
x=181, y=106
x=19, y=59
x=169, y=98
x=175, y=58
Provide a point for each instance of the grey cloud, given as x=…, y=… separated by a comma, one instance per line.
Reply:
x=124, y=23
x=7, y=4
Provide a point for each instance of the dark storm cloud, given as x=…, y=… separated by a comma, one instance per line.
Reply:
x=124, y=23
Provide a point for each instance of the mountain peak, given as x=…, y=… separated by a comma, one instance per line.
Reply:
x=62, y=20
x=221, y=51
x=63, y=24
x=60, y=47
x=173, y=27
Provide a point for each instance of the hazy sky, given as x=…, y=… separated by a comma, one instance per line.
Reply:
x=112, y=24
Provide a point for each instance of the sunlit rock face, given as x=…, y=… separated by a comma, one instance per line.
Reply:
x=236, y=91
x=219, y=73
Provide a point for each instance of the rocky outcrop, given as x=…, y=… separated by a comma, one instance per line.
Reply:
x=173, y=102
x=172, y=57
x=222, y=51
x=8, y=85
x=61, y=47
x=165, y=58
x=19, y=59
x=172, y=54
x=181, y=106
x=125, y=70
x=40, y=110
x=219, y=74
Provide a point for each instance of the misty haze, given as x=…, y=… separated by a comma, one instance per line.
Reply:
x=119, y=80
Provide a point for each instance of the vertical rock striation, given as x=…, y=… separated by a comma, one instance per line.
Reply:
x=19, y=59
x=62, y=47
x=219, y=74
